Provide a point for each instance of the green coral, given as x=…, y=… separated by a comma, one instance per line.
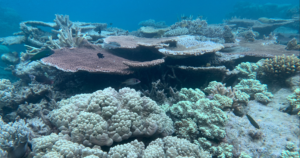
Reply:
x=247, y=70
x=255, y=89
x=186, y=128
x=294, y=100
x=244, y=155
x=190, y=94
x=223, y=150
x=236, y=95
x=206, y=114
x=224, y=101
x=291, y=151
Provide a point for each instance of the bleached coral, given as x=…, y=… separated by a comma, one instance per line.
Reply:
x=133, y=149
x=107, y=116
x=13, y=135
x=59, y=145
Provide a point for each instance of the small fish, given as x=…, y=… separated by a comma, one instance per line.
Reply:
x=131, y=82
x=42, y=54
x=252, y=121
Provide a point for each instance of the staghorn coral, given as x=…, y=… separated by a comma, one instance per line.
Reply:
x=294, y=101
x=107, y=116
x=255, y=89
x=281, y=66
x=173, y=147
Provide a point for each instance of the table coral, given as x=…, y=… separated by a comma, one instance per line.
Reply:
x=108, y=116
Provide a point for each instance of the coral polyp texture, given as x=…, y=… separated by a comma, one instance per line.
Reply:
x=189, y=46
x=206, y=117
x=255, y=89
x=281, y=66
x=294, y=101
x=108, y=116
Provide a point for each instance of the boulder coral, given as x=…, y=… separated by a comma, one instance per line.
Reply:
x=108, y=116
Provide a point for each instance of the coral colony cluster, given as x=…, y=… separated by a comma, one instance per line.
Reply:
x=202, y=91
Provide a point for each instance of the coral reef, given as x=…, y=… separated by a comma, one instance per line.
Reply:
x=10, y=58
x=59, y=146
x=173, y=147
x=247, y=70
x=275, y=132
x=293, y=45
x=281, y=66
x=228, y=35
x=107, y=116
x=14, y=137
x=153, y=23
x=189, y=46
x=206, y=114
x=99, y=60
x=294, y=101
x=290, y=152
x=13, y=95
x=255, y=89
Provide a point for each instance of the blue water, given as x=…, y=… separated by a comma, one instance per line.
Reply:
x=127, y=14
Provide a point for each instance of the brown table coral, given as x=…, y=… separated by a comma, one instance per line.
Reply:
x=87, y=58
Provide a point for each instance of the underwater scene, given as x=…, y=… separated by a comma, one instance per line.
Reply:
x=149, y=79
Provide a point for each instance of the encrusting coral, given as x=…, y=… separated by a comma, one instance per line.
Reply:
x=281, y=66
x=107, y=116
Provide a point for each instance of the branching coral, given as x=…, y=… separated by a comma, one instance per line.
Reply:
x=205, y=113
x=294, y=100
x=255, y=89
x=247, y=70
x=281, y=66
